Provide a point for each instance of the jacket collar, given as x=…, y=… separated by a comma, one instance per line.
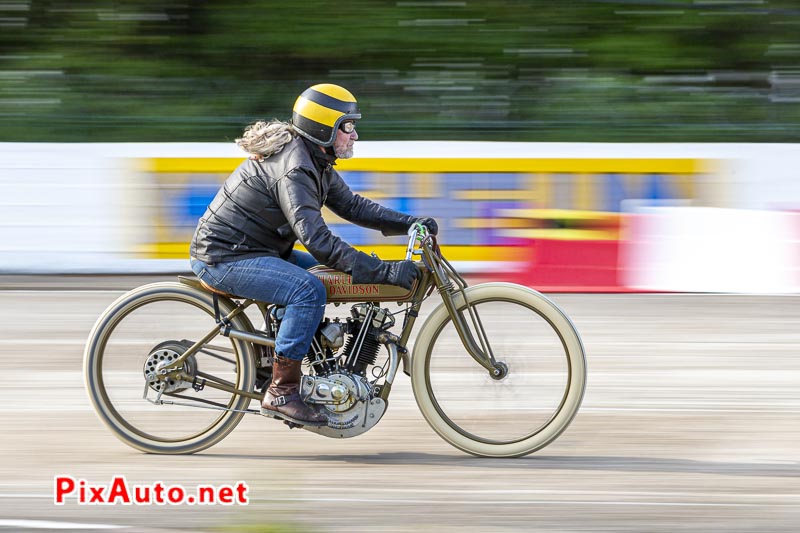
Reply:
x=321, y=159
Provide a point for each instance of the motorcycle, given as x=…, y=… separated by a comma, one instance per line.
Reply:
x=497, y=369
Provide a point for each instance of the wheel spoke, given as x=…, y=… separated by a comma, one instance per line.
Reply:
x=542, y=371
x=130, y=345
x=516, y=406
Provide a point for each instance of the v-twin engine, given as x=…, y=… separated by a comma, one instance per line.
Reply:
x=342, y=355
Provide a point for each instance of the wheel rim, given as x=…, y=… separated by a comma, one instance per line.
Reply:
x=126, y=345
x=512, y=409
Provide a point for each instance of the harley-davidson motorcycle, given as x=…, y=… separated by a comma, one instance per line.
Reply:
x=497, y=369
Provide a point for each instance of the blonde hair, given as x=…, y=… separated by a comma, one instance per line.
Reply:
x=264, y=139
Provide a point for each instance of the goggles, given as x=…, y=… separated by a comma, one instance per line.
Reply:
x=348, y=126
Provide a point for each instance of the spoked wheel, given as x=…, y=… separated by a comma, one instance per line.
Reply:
x=538, y=387
x=146, y=330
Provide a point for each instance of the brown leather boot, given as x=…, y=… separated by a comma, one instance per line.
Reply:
x=283, y=396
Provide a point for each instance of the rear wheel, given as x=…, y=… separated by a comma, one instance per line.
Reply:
x=146, y=330
x=542, y=373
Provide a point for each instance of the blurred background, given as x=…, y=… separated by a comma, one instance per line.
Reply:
x=511, y=70
x=581, y=146
x=609, y=145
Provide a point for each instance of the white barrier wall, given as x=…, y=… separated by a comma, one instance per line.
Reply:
x=73, y=208
x=710, y=249
x=87, y=208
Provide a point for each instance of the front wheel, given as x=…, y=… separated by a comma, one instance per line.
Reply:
x=543, y=362
x=146, y=329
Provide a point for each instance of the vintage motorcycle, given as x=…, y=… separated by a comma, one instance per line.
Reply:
x=497, y=369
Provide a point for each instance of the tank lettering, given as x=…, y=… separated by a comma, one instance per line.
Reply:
x=342, y=285
x=348, y=290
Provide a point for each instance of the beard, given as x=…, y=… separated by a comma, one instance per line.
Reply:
x=344, y=153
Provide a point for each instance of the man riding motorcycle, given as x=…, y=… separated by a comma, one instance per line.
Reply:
x=244, y=241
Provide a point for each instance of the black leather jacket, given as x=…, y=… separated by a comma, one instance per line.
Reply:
x=265, y=206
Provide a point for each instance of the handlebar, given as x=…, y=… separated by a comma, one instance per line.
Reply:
x=442, y=270
x=417, y=232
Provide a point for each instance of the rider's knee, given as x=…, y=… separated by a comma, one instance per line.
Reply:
x=311, y=292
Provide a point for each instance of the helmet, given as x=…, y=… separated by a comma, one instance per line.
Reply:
x=320, y=109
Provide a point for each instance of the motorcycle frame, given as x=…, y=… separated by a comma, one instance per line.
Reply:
x=436, y=272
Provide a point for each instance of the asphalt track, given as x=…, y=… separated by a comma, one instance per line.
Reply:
x=691, y=422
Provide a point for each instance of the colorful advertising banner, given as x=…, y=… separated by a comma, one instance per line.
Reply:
x=553, y=216
x=545, y=222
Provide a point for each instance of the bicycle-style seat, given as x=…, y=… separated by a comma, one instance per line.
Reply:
x=197, y=283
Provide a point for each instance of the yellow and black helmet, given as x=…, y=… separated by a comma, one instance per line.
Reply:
x=320, y=109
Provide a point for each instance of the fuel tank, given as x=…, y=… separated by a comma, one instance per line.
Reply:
x=340, y=288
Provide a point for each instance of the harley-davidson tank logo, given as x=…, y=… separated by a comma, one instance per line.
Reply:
x=342, y=285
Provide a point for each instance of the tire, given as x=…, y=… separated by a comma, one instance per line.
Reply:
x=145, y=326
x=525, y=410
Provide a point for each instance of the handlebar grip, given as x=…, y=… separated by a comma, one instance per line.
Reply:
x=414, y=231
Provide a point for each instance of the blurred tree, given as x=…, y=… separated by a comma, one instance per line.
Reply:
x=192, y=70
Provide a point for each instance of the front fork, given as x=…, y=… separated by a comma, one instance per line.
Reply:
x=451, y=287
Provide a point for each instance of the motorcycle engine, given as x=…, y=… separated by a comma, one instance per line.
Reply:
x=361, y=346
x=341, y=354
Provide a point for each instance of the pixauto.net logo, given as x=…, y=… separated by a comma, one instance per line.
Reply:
x=120, y=492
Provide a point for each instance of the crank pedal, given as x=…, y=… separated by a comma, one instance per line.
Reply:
x=270, y=414
x=277, y=416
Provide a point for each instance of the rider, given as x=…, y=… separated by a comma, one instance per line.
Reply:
x=244, y=241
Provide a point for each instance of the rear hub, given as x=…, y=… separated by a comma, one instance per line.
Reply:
x=162, y=356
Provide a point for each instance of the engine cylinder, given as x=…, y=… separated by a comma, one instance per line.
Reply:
x=368, y=353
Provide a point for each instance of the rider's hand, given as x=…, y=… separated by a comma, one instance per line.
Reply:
x=402, y=273
x=429, y=223
x=368, y=269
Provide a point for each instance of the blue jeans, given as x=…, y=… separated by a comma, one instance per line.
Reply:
x=274, y=280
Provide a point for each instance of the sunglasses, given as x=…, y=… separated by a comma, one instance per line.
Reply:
x=348, y=127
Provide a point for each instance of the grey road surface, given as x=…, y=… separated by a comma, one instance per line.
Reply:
x=691, y=422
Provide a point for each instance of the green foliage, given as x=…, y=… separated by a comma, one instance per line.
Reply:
x=192, y=70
